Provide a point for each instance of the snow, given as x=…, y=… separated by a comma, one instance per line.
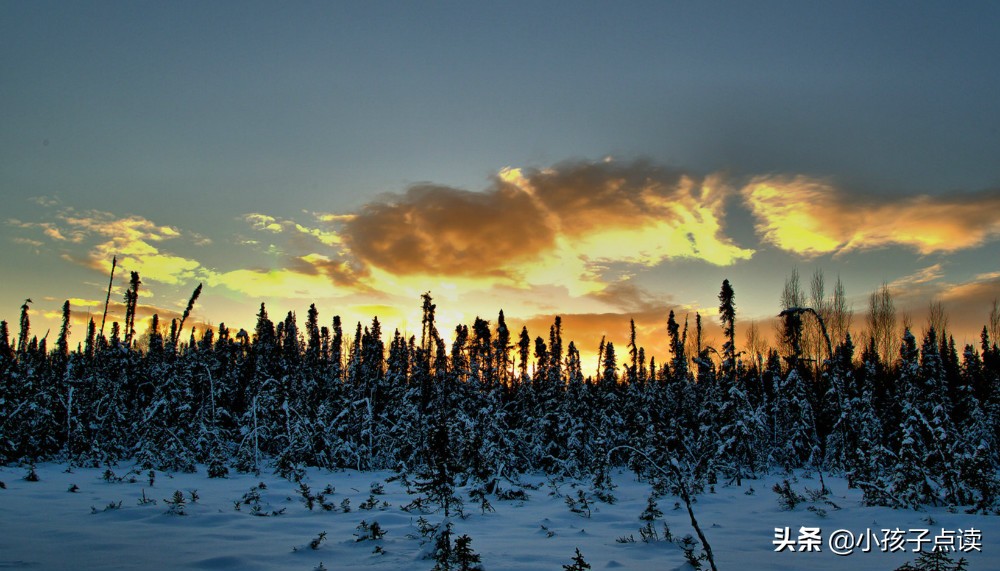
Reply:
x=45, y=526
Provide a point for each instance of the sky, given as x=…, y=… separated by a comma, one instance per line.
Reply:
x=598, y=161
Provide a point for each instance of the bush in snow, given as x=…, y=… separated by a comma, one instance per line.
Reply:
x=579, y=563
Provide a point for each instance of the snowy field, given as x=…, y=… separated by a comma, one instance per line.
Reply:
x=105, y=525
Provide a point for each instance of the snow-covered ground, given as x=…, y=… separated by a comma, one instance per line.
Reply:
x=45, y=526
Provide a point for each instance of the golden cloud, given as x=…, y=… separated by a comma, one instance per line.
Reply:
x=277, y=283
x=133, y=239
x=560, y=225
x=812, y=217
x=264, y=222
x=274, y=225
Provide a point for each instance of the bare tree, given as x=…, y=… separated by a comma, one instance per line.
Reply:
x=937, y=319
x=841, y=314
x=813, y=340
x=756, y=346
x=791, y=297
x=906, y=322
x=882, y=324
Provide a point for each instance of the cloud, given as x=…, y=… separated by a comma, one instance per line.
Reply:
x=28, y=242
x=302, y=271
x=918, y=282
x=628, y=297
x=968, y=305
x=49, y=230
x=276, y=283
x=812, y=217
x=136, y=241
x=982, y=290
x=264, y=222
x=326, y=237
x=447, y=231
x=560, y=225
x=46, y=201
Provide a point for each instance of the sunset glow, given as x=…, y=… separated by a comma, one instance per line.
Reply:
x=549, y=169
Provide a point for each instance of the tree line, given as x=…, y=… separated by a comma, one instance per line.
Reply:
x=912, y=428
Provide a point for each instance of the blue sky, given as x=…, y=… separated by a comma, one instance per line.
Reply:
x=238, y=139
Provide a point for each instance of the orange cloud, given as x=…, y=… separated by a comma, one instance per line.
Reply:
x=561, y=225
x=812, y=217
x=441, y=230
x=981, y=290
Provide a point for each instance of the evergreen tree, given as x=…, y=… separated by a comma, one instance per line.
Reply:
x=187, y=312
x=553, y=363
x=576, y=419
x=6, y=353
x=868, y=467
x=90, y=343
x=131, y=301
x=911, y=485
x=523, y=345
x=579, y=563
x=796, y=442
x=609, y=377
x=632, y=371
x=741, y=436
x=288, y=338
x=841, y=404
x=25, y=331
x=437, y=478
x=501, y=351
x=727, y=315
x=313, y=347
x=336, y=351
x=62, y=342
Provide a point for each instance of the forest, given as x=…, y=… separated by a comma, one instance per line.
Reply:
x=910, y=420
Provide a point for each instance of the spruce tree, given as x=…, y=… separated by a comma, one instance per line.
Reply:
x=727, y=315
x=62, y=342
x=6, y=353
x=501, y=351
x=523, y=347
x=25, y=331
x=131, y=301
x=911, y=484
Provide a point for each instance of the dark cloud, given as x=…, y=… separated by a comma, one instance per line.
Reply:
x=340, y=272
x=585, y=195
